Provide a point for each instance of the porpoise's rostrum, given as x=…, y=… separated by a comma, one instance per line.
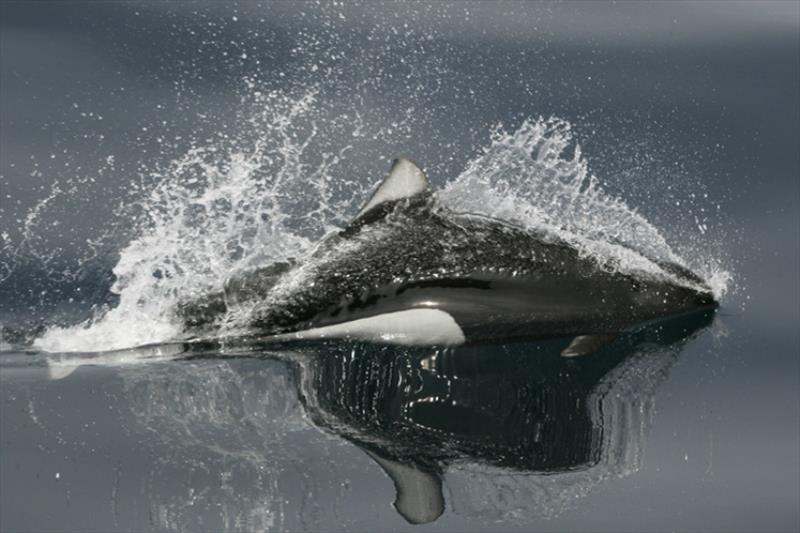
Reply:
x=409, y=270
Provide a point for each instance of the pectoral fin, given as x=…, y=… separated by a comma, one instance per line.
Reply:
x=419, y=494
x=586, y=344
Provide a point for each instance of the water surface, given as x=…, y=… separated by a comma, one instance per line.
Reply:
x=148, y=151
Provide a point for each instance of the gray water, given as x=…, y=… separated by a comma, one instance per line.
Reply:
x=688, y=112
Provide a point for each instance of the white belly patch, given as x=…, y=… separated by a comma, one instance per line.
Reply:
x=410, y=327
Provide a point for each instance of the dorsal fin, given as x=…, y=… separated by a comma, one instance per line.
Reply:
x=405, y=180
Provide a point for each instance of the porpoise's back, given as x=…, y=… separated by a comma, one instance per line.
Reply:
x=492, y=278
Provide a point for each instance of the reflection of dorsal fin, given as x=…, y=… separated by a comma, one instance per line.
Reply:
x=419, y=494
x=586, y=344
x=405, y=180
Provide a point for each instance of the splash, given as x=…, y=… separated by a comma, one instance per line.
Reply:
x=217, y=210
x=239, y=203
x=529, y=176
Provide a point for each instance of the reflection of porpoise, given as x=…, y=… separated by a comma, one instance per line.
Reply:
x=485, y=416
x=407, y=270
x=519, y=407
